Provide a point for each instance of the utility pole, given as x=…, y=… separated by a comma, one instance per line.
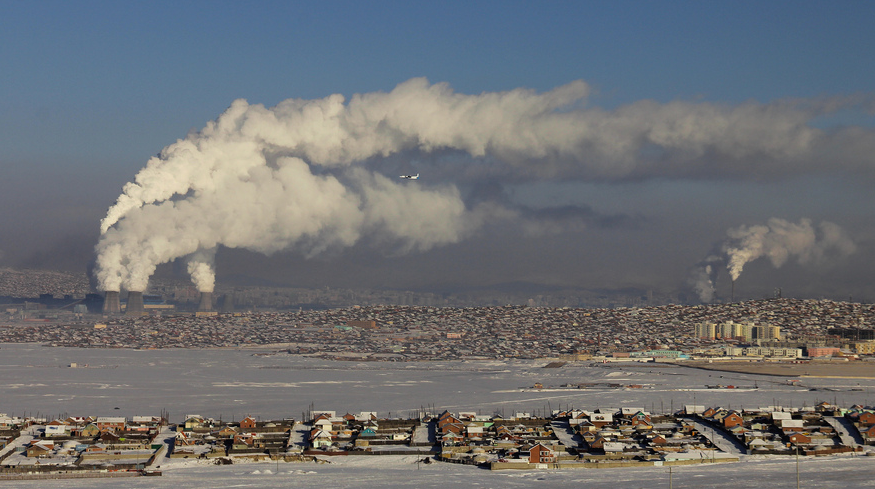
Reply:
x=797, y=466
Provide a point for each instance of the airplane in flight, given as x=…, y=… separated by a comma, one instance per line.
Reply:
x=410, y=177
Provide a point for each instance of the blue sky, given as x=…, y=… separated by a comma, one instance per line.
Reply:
x=159, y=68
x=90, y=90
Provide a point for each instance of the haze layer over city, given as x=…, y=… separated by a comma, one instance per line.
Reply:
x=572, y=145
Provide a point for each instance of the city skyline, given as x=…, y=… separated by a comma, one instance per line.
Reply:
x=693, y=127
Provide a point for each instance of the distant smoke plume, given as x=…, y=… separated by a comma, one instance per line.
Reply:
x=778, y=240
x=704, y=277
x=201, y=267
x=306, y=174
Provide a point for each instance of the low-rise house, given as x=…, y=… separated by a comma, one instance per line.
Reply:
x=799, y=439
x=40, y=449
x=628, y=412
x=732, y=420
x=89, y=431
x=657, y=440
x=323, y=423
x=193, y=421
x=868, y=435
x=247, y=441
x=9, y=422
x=320, y=438
x=95, y=448
x=690, y=409
x=866, y=419
x=578, y=417
x=183, y=439
x=759, y=444
x=601, y=419
x=110, y=423
x=474, y=430
x=56, y=430
x=710, y=412
x=585, y=425
x=598, y=442
x=792, y=425
x=641, y=420
x=445, y=419
x=366, y=415
x=778, y=416
x=541, y=454
x=450, y=439
x=109, y=438
x=145, y=423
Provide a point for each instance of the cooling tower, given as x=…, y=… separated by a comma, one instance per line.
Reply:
x=135, y=304
x=206, y=302
x=111, y=303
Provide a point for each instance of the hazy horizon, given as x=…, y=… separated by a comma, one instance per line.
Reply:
x=568, y=145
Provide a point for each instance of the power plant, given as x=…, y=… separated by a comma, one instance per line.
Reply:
x=206, y=303
x=111, y=303
x=135, y=305
x=139, y=304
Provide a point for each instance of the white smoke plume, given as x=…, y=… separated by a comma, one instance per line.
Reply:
x=201, y=267
x=302, y=175
x=704, y=276
x=778, y=240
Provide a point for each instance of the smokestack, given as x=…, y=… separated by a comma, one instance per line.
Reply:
x=227, y=302
x=111, y=303
x=135, y=304
x=732, y=292
x=206, y=302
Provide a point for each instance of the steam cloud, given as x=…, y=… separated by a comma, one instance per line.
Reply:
x=778, y=240
x=307, y=175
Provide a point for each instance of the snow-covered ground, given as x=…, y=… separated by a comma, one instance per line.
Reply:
x=403, y=471
x=234, y=383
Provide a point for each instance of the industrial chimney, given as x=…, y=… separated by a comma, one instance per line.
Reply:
x=206, y=302
x=135, y=304
x=111, y=303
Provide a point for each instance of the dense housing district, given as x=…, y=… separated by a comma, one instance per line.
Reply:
x=773, y=328
x=614, y=437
